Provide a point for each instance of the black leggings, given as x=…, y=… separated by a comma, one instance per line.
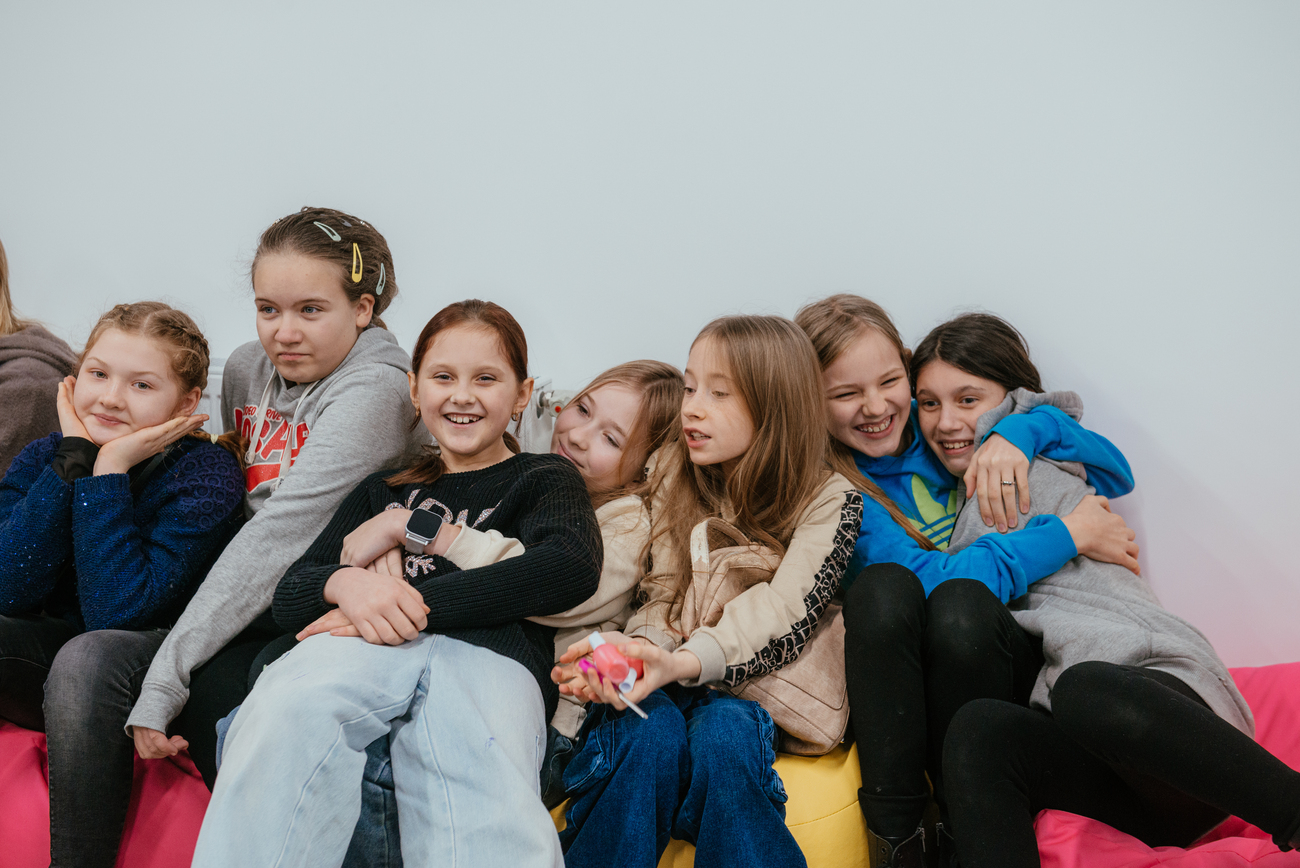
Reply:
x=911, y=662
x=1134, y=748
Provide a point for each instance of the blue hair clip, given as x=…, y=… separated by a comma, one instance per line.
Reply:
x=379, y=287
x=334, y=236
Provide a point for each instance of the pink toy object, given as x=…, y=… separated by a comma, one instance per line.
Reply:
x=614, y=666
x=610, y=665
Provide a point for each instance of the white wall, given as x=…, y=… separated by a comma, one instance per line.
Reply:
x=1121, y=180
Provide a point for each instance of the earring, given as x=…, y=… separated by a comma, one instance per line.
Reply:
x=514, y=417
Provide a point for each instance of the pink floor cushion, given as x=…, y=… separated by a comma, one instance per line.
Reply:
x=162, y=824
x=169, y=800
x=1070, y=841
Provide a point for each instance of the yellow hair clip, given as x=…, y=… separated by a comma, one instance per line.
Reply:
x=356, y=263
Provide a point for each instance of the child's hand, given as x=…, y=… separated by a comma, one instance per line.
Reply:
x=661, y=667
x=385, y=610
x=1102, y=535
x=572, y=681
x=69, y=422
x=152, y=744
x=333, y=622
x=582, y=647
x=388, y=564
x=120, y=455
x=996, y=460
x=338, y=624
x=375, y=537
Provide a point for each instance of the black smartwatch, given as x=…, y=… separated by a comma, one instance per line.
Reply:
x=421, y=528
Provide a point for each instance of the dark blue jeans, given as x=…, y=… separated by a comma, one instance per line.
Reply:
x=699, y=769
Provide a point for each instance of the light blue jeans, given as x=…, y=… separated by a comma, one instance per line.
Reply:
x=467, y=735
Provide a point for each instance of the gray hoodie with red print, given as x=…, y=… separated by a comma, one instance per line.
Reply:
x=310, y=444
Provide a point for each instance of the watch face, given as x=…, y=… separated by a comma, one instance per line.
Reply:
x=424, y=523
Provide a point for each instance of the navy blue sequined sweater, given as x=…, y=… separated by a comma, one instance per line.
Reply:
x=89, y=552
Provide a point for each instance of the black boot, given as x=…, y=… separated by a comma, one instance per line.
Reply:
x=898, y=852
x=895, y=814
x=945, y=848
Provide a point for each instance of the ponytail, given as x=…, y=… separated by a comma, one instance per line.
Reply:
x=232, y=441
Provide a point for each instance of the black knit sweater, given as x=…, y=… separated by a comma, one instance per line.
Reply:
x=539, y=500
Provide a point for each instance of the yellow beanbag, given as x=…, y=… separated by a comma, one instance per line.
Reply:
x=822, y=812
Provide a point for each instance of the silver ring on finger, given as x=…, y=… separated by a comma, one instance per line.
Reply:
x=1004, y=482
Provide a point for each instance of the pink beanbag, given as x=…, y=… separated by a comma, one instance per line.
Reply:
x=169, y=799
x=1070, y=841
x=162, y=824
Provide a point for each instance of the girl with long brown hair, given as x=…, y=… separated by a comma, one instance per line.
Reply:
x=699, y=767
x=607, y=431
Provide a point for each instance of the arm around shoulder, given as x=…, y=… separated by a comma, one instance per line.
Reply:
x=1046, y=430
x=624, y=529
x=559, y=567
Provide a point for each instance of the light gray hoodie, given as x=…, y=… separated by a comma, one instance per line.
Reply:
x=1090, y=610
x=344, y=427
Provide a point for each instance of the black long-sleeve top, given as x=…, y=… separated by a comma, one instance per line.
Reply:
x=540, y=500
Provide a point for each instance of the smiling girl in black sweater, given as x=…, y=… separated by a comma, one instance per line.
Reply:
x=439, y=658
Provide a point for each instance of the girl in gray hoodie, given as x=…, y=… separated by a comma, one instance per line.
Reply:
x=322, y=400
x=1133, y=719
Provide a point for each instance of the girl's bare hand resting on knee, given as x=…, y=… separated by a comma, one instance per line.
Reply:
x=152, y=744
